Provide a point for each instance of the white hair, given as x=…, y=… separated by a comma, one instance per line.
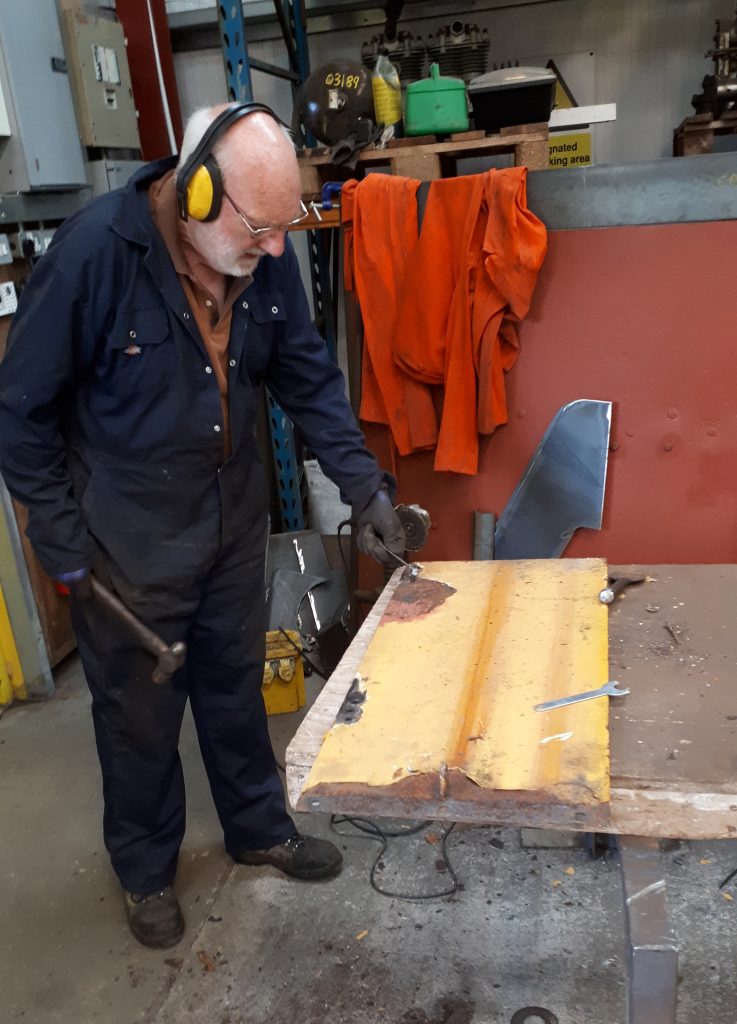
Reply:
x=197, y=124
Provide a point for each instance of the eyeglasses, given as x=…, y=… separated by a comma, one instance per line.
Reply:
x=257, y=232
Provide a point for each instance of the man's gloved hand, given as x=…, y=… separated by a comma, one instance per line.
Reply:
x=379, y=521
x=78, y=583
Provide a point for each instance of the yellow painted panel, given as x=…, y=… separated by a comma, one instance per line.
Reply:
x=455, y=668
x=12, y=684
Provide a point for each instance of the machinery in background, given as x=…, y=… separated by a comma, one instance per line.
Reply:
x=406, y=52
x=720, y=89
x=459, y=50
x=716, y=104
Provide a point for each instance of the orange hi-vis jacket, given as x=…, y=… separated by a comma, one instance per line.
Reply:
x=440, y=305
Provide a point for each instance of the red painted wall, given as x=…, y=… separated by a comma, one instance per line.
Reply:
x=645, y=317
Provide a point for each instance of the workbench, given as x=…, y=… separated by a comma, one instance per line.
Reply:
x=673, y=744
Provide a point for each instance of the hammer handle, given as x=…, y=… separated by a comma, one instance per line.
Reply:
x=620, y=584
x=153, y=643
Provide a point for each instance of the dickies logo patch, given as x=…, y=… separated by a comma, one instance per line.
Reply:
x=132, y=350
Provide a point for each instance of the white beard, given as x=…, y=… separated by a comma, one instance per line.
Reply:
x=233, y=263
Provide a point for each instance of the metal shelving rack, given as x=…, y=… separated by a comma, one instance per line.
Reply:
x=232, y=30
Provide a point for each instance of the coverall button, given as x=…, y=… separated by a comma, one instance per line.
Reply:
x=216, y=428
x=231, y=362
x=208, y=369
x=131, y=334
x=274, y=309
x=245, y=305
x=186, y=316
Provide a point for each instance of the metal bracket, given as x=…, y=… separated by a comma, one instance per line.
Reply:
x=652, y=946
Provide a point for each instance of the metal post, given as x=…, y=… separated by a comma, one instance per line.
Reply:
x=285, y=464
x=298, y=25
x=484, y=524
x=322, y=294
x=232, y=27
x=231, y=24
x=318, y=242
x=652, y=948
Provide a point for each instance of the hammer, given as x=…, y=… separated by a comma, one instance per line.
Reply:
x=169, y=659
x=616, y=585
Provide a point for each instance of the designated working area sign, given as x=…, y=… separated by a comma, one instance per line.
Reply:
x=572, y=150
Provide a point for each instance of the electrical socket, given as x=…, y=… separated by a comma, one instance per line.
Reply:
x=8, y=298
x=32, y=244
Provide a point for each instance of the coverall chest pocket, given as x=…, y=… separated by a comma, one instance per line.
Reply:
x=141, y=352
x=267, y=319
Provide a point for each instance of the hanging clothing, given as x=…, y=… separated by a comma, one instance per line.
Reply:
x=440, y=305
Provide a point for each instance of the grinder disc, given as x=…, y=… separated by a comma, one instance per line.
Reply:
x=416, y=523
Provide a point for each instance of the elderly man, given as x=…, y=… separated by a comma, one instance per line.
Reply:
x=128, y=397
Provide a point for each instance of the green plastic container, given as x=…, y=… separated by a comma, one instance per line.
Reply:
x=436, y=105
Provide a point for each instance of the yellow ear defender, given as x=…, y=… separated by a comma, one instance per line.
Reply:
x=201, y=203
x=200, y=181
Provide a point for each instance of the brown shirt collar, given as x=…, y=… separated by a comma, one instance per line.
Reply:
x=163, y=200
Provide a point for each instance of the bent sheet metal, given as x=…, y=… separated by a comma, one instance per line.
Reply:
x=452, y=675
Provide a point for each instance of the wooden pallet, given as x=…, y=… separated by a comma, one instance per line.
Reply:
x=426, y=158
x=695, y=135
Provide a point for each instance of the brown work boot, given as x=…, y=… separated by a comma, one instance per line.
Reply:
x=301, y=856
x=155, y=920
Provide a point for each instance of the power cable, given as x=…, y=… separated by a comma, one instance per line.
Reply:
x=349, y=524
x=372, y=831
x=300, y=651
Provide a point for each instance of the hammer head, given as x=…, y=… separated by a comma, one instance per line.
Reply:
x=616, y=585
x=168, y=662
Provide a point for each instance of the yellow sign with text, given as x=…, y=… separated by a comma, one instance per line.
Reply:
x=570, y=150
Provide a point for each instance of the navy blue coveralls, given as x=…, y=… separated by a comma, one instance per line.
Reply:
x=111, y=434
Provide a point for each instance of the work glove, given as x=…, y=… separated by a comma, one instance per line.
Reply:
x=77, y=583
x=379, y=522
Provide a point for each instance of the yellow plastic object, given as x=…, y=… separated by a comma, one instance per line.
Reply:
x=12, y=684
x=387, y=91
x=284, y=677
x=454, y=671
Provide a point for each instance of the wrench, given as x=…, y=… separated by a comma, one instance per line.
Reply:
x=609, y=689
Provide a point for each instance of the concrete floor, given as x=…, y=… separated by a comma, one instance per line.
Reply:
x=529, y=927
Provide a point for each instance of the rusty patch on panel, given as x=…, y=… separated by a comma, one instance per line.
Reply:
x=413, y=599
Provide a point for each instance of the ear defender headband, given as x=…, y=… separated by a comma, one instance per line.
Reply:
x=200, y=181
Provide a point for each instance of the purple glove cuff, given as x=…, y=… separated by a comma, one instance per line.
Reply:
x=73, y=577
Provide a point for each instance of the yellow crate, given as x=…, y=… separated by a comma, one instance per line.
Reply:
x=283, y=687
